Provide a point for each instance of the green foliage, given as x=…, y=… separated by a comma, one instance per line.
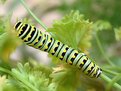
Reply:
x=95, y=39
x=65, y=77
x=3, y=1
x=78, y=31
x=6, y=46
x=2, y=82
x=102, y=28
x=74, y=28
x=108, y=10
x=118, y=33
x=101, y=25
x=24, y=78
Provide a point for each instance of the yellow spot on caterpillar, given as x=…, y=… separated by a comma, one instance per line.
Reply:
x=36, y=40
x=50, y=41
x=82, y=63
x=73, y=56
x=64, y=50
x=46, y=46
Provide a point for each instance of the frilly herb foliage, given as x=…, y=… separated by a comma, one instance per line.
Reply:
x=24, y=78
x=118, y=33
x=73, y=30
x=101, y=25
x=7, y=46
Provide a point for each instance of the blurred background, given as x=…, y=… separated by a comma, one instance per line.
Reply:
x=50, y=10
x=13, y=50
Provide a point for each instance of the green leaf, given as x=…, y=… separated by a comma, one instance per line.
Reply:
x=65, y=78
x=101, y=25
x=27, y=79
x=76, y=32
x=73, y=30
x=117, y=33
x=7, y=42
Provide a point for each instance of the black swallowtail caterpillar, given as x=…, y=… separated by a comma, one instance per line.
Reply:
x=40, y=40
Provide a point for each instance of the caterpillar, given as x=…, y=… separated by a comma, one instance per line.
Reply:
x=40, y=40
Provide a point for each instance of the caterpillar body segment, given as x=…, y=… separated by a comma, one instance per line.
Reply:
x=40, y=40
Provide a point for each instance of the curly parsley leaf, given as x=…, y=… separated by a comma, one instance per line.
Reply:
x=26, y=78
x=73, y=30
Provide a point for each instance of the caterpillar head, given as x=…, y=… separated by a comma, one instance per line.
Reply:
x=97, y=72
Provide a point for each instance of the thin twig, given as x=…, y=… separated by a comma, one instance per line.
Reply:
x=114, y=80
x=110, y=72
x=102, y=51
x=33, y=15
x=106, y=78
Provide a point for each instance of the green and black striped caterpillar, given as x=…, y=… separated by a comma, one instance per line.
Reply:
x=40, y=40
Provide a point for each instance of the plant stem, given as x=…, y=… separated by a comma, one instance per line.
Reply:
x=114, y=80
x=5, y=70
x=110, y=72
x=106, y=78
x=33, y=15
x=102, y=51
x=113, y=68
